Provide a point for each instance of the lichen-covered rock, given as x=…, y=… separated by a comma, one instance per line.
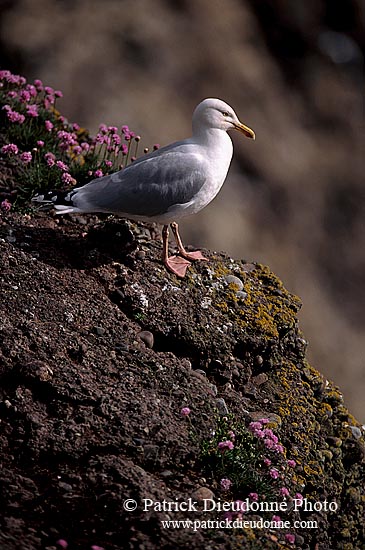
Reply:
x=91, y=420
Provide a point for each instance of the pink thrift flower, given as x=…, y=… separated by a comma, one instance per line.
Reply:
x=116, y=139
x=48, y=124
x=98, y=173
x=279, y=449
x=96, y=547
x=270, y=434
x=124, y=149
x=5, y=205
x=13, y=116
x=103, y=128
x=284, y=492
x=58, y=93
x=12, y=94
x=223, y=445
x=26, y=157
x=298, y=496
x=75, y=127
x=32, y=110
x=4, y=74
x=50, y=159
x=32, y=90
x=49, y=90
x=67, y=178
x=276, y=519
x=62, y=166
x=225, y=484
x=290, y=538
x=264, y=421
x=108, y=163
x=24, y=96
x=253, y=496
x=10, y=149
x=62, y=543
x=274, y=473
x=291, y=463
x=267, y=461
x=231, y=435
x=269, y=444
x=38, y=84
x=185, y=411
x=85, y=146
x=254, y=426
x=40, y=143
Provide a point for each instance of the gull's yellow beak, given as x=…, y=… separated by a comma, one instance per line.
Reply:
x=244, y=129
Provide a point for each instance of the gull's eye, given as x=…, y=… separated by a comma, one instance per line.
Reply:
x=224, y=113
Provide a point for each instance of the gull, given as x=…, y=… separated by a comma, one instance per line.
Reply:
x=168, y=184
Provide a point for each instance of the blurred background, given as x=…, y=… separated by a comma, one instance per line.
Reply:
x=294, y=72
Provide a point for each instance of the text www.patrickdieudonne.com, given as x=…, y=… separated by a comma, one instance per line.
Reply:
x=196, y=524
x=234, y=513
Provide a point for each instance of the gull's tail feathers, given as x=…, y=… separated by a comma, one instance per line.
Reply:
x=62, y=202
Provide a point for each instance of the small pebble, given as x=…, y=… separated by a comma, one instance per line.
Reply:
x=140, y=255
x=221, y=406
x=203, y=493
x=214, y=389
x=248, y=267
x=99, y=331
x=151, y=452
x=147, y=337
x=356, y=432
x=235, y=280
x=121, y=346
x=200, y=371
x=258, y=360
x=259, y=379
x=167, y=473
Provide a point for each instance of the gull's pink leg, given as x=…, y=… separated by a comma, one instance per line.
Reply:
x=197, y=255
x=175, y=264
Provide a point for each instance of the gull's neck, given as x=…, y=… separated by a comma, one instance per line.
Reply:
x=217, y=142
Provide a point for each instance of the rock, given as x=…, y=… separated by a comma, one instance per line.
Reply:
x=232, y=279
x=258, y=360
x=259, y=379
x=202, y=493
x=99, y=331
x=221, y=406
x=147, y=337
x=356, y=432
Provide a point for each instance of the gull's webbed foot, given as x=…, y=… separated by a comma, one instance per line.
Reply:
x=193, y=256
x=177, y=265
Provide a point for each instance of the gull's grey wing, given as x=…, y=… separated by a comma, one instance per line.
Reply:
x=149, y=186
